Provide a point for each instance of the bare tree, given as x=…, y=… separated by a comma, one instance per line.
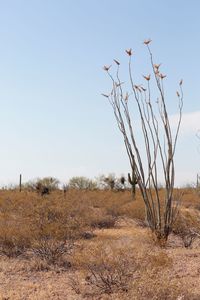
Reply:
x=82, y=183
x=158, y=138
x=110, y=181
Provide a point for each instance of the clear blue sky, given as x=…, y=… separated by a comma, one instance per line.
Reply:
x=53, y=119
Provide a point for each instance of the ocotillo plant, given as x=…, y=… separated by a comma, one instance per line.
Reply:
x=159, y=141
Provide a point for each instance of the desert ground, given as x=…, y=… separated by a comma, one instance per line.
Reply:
x=95, y=245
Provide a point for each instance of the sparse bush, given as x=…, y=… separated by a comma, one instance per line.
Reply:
x=87, y=235
x=75, y=284
x=43, y=185
x=110, y=181
x=51, y=250
x=82, y=183
x=107, y=269
x=11, y=247
x=110, y=275
x=187, y=227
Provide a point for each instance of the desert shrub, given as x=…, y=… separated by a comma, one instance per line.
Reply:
x=87, y=235
x=109, y=278
x=93, y=217
x=75, y=283
x=82, y=183
x=41, y=185
x=106, y=182
x=107, y=269
x=24, y=220
x=11, y=247
x=14, y=241
x=60, y=219
x=55, y=221
x=51, y=251
x=187, y=227
x=14, y=236
x=56, y=218
x=104, y=222
x=111, y=182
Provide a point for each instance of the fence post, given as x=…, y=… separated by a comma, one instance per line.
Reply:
x=20, y=182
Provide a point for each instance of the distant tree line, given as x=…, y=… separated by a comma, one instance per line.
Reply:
x=48, y=184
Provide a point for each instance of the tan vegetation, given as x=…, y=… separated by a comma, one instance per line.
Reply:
x=95, y=245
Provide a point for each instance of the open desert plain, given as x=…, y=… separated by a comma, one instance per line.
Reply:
x=95, y=245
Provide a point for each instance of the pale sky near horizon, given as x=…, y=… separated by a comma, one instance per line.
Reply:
x=53, y=119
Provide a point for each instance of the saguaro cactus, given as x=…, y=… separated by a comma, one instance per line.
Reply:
x=133, y=181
